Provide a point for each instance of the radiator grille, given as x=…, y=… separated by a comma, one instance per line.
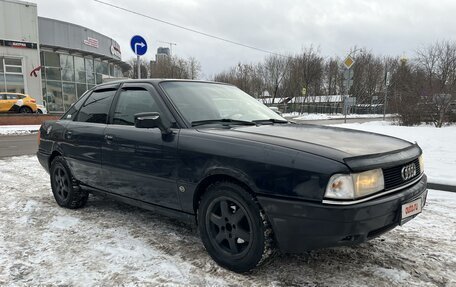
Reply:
x=393, y=177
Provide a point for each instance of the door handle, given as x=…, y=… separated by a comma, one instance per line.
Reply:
x=109, y=138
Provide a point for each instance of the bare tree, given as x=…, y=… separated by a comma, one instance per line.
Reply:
x=194, y=68
x=273, y=71
x=307, y=76
x=175, y=67
x=421, y=90
x=368, y=77
x=438, y=61
x=332, y=76
x=244, y=76
x=133, y=72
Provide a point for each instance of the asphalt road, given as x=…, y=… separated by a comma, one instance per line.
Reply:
x=18, y=145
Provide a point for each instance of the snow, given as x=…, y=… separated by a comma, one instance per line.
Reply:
x=314, y=117
x=394, y=275
x=64, y=222
x=112, y=244
x=438, y=145
x=19, y=129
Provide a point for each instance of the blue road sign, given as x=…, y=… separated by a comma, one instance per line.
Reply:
x=138, y=45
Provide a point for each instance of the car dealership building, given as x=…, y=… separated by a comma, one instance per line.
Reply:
x=51, y=60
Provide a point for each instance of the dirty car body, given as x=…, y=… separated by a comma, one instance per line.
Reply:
x=317, y=186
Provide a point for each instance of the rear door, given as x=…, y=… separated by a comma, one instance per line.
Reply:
x=140, y=163
x=84, y=136
x=8, y=102
x=3, y=103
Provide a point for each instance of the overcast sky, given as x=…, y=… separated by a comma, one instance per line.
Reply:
x=390, y=27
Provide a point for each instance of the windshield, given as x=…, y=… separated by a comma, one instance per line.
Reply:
x=198, y=101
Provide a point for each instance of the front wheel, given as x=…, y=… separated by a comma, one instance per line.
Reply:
x=66, y=192
x=25, y=110
x=233, y=230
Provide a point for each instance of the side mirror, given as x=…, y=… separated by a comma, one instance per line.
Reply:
x=152, y=120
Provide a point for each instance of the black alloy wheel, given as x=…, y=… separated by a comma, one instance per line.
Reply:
x=233, y=228
x=61, y=183
x=230, y=229
x=67, y=192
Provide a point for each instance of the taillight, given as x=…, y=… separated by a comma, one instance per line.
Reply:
x=33, y=100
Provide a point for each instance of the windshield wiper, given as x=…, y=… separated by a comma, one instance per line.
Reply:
x=228, y=121
x=274, y=121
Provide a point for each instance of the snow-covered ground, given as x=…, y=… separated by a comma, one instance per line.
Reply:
x=111, y=244
x=438, y=144
x=315, y=117
x=19, y=129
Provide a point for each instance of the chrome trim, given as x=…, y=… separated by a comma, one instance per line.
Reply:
x=335, y=202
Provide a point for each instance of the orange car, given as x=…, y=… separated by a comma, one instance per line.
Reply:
x=15, y=102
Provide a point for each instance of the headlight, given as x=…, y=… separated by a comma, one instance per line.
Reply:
x=356, y=185
x=421, y=160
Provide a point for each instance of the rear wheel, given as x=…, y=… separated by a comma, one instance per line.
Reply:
x=25, y=110
x=66, y=191
x=233, y=228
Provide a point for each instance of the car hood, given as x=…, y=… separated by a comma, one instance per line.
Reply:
x=331, y=142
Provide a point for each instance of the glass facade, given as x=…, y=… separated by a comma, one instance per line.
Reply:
x=11, y=75
x=66, y=77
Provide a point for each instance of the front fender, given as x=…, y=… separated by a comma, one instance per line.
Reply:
x=267, y=169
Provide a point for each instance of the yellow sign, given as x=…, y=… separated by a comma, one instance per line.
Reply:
x=348, y=62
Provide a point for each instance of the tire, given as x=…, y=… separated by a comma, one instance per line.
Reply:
x=233, y=228
x=66, y=191
x=38, y=111
x=25, y=110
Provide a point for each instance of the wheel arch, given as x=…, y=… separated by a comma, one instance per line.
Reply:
x=26, y=106
x=54, y=154
x=221, y=176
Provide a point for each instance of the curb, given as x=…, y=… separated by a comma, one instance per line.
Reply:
x=444, y=187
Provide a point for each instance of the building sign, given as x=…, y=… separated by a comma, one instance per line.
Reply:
x=18, y=44
x=115, y=50
x=92, y=42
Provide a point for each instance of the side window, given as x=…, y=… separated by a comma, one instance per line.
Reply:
x=73, y=110
x=96, y=108
x=131, y=102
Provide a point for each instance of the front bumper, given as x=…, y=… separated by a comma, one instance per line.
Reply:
x=300, y=226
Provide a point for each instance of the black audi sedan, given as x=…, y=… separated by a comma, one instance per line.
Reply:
x=210, y=154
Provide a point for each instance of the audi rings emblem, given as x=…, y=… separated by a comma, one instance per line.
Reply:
x=408, y=171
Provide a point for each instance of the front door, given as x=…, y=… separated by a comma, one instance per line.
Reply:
x=139, y=163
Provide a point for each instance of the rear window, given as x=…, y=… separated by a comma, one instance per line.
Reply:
x=73, y=110
x=96, y=108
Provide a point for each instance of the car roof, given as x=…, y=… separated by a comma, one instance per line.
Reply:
x=157, y=81
x=3, y=93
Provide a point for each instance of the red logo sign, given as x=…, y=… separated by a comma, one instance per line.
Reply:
x=92, y=42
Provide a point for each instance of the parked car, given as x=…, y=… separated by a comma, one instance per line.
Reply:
x=15, y=102
x=251, y=180
x=40, y=109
